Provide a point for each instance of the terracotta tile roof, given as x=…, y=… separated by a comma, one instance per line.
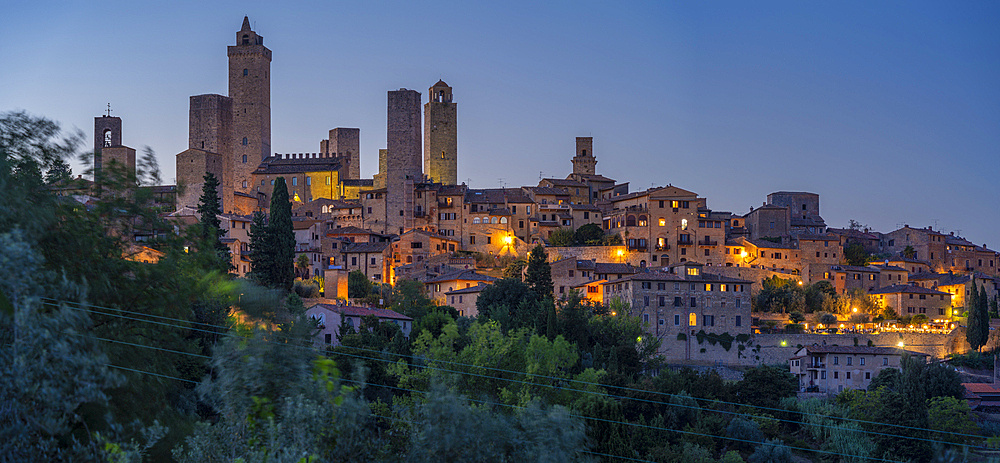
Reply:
x=469, y=290
x=469, y=275
x=363, y=311
x=364, y=247
x=908, y=289
x=862, y=350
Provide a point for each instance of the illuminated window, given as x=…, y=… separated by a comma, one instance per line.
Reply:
x=684, y=224
x=328, y=181
x=693, y=319
x=674, y=204
x=693, y=271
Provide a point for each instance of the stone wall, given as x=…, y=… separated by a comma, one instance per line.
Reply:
x=753, y=275
x=111, y=124
x=403, y=157
x=250, y=89
x=605, y=254
x=346, y=142
x=192, y=164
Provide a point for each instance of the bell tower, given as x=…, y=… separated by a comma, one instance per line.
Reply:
x=250, y=90
x=441, y=135
x=584, y=162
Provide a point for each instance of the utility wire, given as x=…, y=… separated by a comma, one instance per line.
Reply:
x=657, y=428
x=571, y=380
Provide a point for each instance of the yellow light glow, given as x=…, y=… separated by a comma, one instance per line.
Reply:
x=841, y=325
x=614, y=314
x=855, y=309
x=621, y=252
x=639, y=339
x=800, y=283
x=784, y=343
x=743, y=254
x=900, y=344
x=507, y=239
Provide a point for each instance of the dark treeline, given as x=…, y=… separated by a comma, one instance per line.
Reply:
x=109, y=355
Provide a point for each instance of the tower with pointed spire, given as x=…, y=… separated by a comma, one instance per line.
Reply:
x=441, y=135
x=250, y=90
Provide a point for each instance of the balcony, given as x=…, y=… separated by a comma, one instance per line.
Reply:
x=685, y=243
x=708, y=242
x=816, y=366
x=418, y=214
x=665, y=247
x=443, y=204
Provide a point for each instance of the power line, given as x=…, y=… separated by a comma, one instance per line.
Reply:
x=572, y=380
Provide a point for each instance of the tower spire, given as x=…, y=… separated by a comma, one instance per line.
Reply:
x=246, y=24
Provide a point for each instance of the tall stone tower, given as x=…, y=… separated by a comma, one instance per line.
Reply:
x=441, y=136
x=210, y=129
x=403, y=167
x=107, y=133
x=584, y=162
x=250, y=89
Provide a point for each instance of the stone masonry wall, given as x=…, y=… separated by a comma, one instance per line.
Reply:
x=210, y=128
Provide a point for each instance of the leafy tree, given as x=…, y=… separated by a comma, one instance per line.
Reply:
x=358, y=285
x=539, y=273
x=562, y=237
x=855, y=254
x=302, y=266
x=513, y=270
x=797, y=317
x=951, y=417
x=590, y=234
x=772, y=451
x=779, y=295
x=765, y=386
x=817, y=294
x=148, y=168
x=59, y=172
x=209, y=208
x=743, y=430
x=909, y=252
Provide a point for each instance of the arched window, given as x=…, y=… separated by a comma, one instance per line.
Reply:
x=642, y=221
x=493, y=220
x=503, y=220
x=325, y=210
x=245, y=72
x=642, y=263
x=664, y=260
x=475, y=220
x=245, y=141
x=584, y=152
x=246, y=41
x=107, y=137
x=244, y=156
x=630, y=221
x=244, y=184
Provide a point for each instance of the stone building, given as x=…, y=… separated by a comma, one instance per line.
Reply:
x=678, y=303
x=371, y=259
x=910, y=300
x=437, y=288
x=308, y=176
x=464, y=300
x=210, y=149
x=831, y=369
x=441, y=136
x=250, y=90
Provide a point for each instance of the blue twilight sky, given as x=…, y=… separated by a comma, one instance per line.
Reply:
x=889, y=110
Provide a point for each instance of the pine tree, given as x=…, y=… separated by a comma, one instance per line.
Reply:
x=539, y=274
x=209, y=208
x=281, y=237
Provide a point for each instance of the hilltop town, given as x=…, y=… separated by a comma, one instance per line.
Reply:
x=618, y=323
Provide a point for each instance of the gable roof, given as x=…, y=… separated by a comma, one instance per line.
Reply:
x=907, y=289
x=355, y=311
x=468, y=275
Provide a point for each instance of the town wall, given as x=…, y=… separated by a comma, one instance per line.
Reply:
x=604, y=254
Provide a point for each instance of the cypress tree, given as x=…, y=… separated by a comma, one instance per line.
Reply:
x=552, y=323
x=209, y=208
x=260, y=257
x=281, y=238
x=984, y=312
x=539, y=273
x=978, y=324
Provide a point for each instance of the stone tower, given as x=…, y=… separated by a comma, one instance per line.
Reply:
x=584, y=162
x=107, y=133
x=250, y=89
x=344, y=143
x=210, y=129
x=403, y=167
x=441, y=136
